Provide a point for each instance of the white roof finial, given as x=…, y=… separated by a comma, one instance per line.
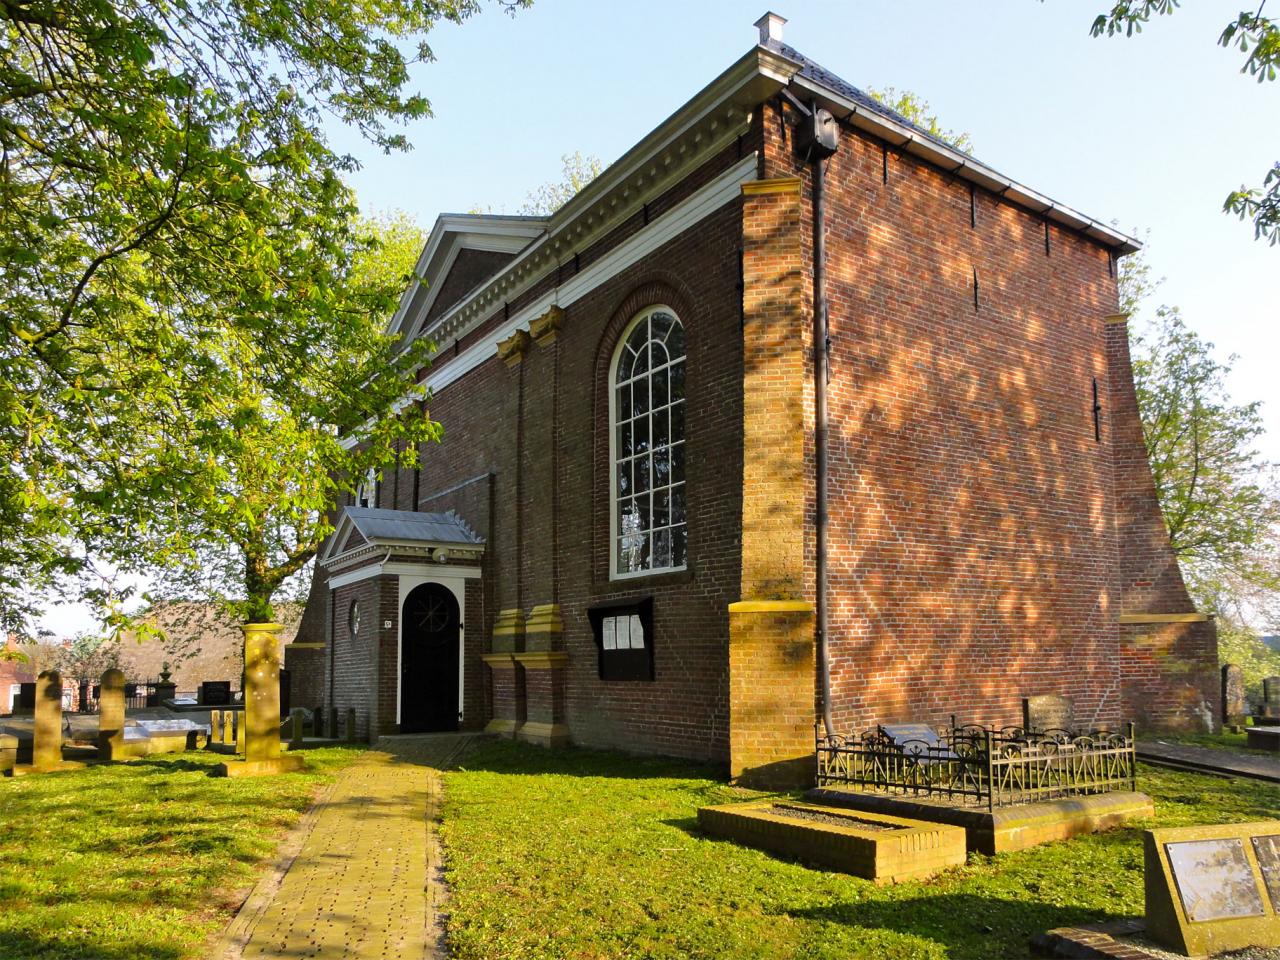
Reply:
x=770, y=27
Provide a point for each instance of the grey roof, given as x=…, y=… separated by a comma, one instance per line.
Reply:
x=406, y=525
x=820, y=74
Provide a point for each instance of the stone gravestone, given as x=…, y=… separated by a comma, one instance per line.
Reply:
x=297, y=717
x=261, y=716
x=1271, y=697
x=215, y=693
x=111, y=716
x=46, y=739
x=1211, y=889
x=1234, y=707
x=8, y=753
x=1047, y=711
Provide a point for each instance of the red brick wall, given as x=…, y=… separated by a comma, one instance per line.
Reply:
x=540, y=430
x=974, y=553
x=353, y=662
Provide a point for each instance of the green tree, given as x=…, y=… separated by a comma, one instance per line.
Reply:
x=1253, y=34
x=917, y=109
x=1217, y=494
x=576, y=172
x=224, y=479
x=158, y=159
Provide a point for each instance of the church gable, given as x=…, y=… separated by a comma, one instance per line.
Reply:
x=469, y=270
x=353, y=540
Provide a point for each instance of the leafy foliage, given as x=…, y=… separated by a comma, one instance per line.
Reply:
x=917, y=109
x=1218, y=496
x=166, y=186
x=228, y=476
x=1240, y=645
x=1251, y=33
x=576, y=172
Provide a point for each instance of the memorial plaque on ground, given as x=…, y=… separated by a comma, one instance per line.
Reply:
x=1214, y=880
x=1211, y=889
x=1267, y=850
x=1047, y=711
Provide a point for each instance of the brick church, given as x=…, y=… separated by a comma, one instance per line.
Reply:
x=660, y=521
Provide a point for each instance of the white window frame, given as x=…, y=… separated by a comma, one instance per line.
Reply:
x=367, y=492
x=612, y=386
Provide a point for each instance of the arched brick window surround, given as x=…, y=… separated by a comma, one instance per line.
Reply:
x=655, y=289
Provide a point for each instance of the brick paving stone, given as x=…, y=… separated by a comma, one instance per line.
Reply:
x=360, y=884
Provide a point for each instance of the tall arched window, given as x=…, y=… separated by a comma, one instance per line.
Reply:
x=648, y=525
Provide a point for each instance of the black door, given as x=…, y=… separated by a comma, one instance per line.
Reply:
x=429, y=660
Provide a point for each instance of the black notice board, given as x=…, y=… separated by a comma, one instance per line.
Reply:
x=627, y=663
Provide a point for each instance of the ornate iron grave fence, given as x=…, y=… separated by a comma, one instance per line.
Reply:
x=979, y=765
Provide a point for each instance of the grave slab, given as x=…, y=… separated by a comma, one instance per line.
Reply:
x=878, y=847
x=1003, y=829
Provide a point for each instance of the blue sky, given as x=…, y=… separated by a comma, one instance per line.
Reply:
x=1151, y=132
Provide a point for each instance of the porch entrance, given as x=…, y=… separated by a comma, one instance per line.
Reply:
x=429, y=660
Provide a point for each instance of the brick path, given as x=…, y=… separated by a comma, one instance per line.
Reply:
x=1235, y=763
x=362, y=884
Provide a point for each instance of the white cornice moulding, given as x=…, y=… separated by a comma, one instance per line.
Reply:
x=443, y=571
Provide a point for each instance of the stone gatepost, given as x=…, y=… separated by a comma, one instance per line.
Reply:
x=260, y=728
x=262, y=691
x=506, y=674
x=544, y=663
x=111, y=716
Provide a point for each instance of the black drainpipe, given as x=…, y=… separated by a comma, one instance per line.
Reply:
x=821, y=354
x=818, y=139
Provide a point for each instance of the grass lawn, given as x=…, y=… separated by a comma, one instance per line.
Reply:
x=141, y=859
x=580, y=854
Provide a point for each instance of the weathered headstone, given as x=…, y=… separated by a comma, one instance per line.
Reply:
x=1271, y=697
x=333, y=723
x=46, y=739
x=1233, y=704
x=351, y=725
x=317, y=722
x=1047, y=711
x=1209, y=888
x=260, y=725
x=111, y=716
x=297, y=717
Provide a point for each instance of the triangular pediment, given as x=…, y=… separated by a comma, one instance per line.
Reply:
x=370, y=528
